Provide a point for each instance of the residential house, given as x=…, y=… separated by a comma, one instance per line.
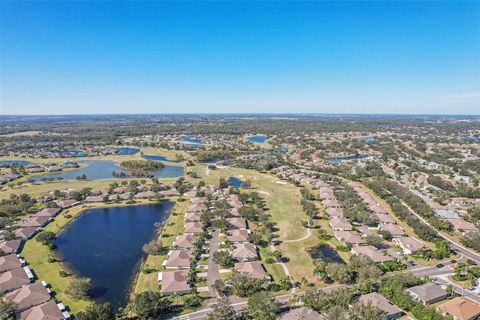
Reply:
x=193, y=227
x=253, y=269
x=349, y=238
x=10, y=262
x=10, y=246
x=373, y=253
x=48, y=212
x=179, y=259
x=237, y=235
x=302, y=313
x=462, y=225
x=94, y=199
x=237, y=223
x=25, y=233
x=174, y=282
x=185, y=241
x=340, y=224
x=244, y=251
x=15, y=278
x=28, y=296
x=394, y=230
x=45, y=311
x=460, y=308
x=376, y=299
x=36, y=221
x=428, y=293
x=409, y=245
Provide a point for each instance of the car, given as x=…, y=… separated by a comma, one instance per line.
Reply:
x=472, y=288
x=453, y=261
x=440, y=265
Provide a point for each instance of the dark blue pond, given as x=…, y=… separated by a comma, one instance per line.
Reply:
x=102, y=169
x=348, y=158
x=258, y=139
x=157, y=158
x=14, y=163
x=191, y=139
x=367, y=139
x=127, y=151
x=326, y=253
x=105, y=245
x=234, y=182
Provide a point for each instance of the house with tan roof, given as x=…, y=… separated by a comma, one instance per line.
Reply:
x=145, y=195
x=302, y=313
x=252, y=269
x=45, y=311
x=193, y=227
x=244, y=251
x=335, y=212
x=94, y=199
x=66, y=203
x=174, y=282
x=15, y=278
x=192, y=216
x=340, y=224
x=428, y=293
x=10, y=262
x=178, y=259
x=237, y=223
x=349, y=237
x=460, y=308
x=409, y=245
x=28, y=296
x=10, y=246
x=373, y=253
x=394, y=230
x=36, y=221
x=237, y=235
x=462, y=226
x=48, y=212
x=384, y=218
x=379, y=301
x=331, y=204
x=184, y=241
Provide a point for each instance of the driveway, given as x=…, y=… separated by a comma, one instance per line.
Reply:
x=213, y=274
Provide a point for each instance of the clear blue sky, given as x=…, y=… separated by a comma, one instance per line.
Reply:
x=161, y=57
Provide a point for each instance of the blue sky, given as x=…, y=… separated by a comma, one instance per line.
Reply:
x=187, y=57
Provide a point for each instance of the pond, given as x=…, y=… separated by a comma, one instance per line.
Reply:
x=325, y=253
x=367, y=139
x=347, y=158
x=105, y=245
x=234, y=182
x=191, y=139
x=258, y=139
x=14, y=163
x=127, y=151
x=102, y=169
x=74, y=153
x=158, y=158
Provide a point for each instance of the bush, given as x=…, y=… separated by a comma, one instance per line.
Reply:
x=45, y=237
x=78, y=288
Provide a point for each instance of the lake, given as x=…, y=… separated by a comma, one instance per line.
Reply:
x=325, y=253
x=102, y=169
x=367, y=139
x=105, y=245
x=258, y=139
x=127, y=151
x=234, y=182
x=191, y=139
x=158, y=158
x=347, y=158
x=14, y=163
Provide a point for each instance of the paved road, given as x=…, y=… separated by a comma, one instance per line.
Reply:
x=239, y=304
x=213, y=274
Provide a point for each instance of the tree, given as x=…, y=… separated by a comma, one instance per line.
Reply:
x=154, y=248
x=244, y=286
x=7, y=310
x=96, y=311
x=261, y=306
x=78, y=288
x=150, y=305
x=222, y=310
x=223, y=258
x=361, y=311
x=45, y=237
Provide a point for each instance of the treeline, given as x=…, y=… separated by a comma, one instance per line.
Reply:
x=422, y=230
